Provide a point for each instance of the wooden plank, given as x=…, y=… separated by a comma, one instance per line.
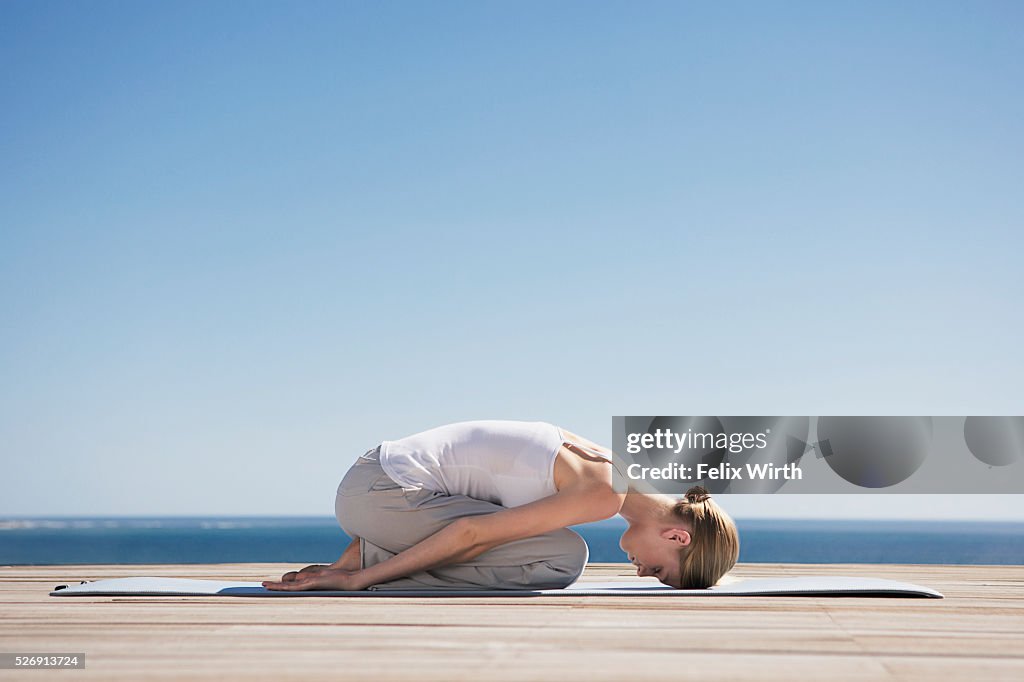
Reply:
x=976, y=632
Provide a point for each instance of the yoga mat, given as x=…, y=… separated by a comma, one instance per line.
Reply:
x=807, y=586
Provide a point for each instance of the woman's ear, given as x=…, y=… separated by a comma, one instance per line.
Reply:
x=680, y=536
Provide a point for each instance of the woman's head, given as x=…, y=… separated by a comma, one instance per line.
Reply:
x=692, y=548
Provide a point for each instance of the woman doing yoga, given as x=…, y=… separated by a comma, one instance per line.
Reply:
x=487, y=505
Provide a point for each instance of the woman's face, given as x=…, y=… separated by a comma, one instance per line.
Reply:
x=655, y=551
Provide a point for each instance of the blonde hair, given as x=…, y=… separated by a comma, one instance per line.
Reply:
x=714, y=542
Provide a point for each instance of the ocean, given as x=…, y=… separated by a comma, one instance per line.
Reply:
x=306, y=540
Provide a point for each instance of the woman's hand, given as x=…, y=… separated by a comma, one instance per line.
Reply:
x=324, y=579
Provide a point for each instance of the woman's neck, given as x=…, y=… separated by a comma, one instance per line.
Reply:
x=645, y=508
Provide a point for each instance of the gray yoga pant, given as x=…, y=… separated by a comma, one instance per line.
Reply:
x=389, y=519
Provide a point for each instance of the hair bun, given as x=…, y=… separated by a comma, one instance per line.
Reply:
x=697, y=494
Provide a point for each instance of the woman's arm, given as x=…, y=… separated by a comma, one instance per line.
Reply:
x=468, y=537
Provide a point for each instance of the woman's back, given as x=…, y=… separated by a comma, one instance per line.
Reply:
x=506, y=462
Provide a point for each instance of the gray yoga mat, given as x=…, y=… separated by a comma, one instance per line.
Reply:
x=806, y=586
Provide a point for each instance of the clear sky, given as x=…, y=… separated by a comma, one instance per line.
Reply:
x=242, y=242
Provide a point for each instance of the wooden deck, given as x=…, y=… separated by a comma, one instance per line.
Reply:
x=976, y=633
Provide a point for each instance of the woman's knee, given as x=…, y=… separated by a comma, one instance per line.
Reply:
x=571, y=559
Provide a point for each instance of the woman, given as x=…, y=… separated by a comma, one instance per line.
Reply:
x=486, y=505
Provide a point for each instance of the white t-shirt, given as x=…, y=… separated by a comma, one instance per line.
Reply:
x=510, y=463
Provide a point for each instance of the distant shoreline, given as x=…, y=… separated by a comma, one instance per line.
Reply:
x=57, y=540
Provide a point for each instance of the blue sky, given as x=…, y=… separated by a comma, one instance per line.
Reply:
x=242, y=242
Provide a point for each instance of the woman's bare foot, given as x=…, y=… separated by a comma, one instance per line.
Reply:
x=350, y=559
x=292, y=575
